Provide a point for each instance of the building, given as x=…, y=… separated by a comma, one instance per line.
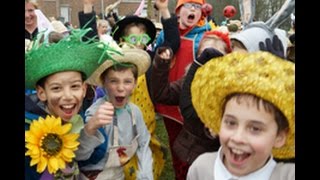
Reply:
x=67, y=10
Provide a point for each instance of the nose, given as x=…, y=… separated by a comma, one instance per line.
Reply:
x=238, y=135
x=67, y=94
x=120, y=87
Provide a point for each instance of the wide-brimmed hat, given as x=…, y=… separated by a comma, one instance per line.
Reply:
x=118, y=29
x=138, y=57
x=261, y=73
x=59, y=27
x=69, y=54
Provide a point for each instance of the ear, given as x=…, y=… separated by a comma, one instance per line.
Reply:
x=84, y=87
x=41, y=94
x=281, y=139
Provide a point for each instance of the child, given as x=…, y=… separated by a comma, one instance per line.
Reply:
x=132, y=31
x=251, y=105
x=192, y=25
x=57, y=72
x=122, y=120
x=192, y=139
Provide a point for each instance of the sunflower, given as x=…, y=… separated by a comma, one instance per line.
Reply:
x=50, y=144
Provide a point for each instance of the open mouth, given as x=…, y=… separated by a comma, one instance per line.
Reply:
x=191, y=17
x=119, y=99
x=68, y=109
x=238, y=156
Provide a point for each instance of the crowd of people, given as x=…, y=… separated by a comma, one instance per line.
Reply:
x=226, y=98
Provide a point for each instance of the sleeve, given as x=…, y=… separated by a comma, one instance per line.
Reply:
x=88, y=143
x=88, y=20
x=171, y=33
x=193, y=172
x=162, y=90
x=98, y=153
x=187, y=110
x=145, y=161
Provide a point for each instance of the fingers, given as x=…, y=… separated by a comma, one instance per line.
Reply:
x=269, y=45
x=262, y=46
x=164, y=53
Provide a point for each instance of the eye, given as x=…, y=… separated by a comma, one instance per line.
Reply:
x=133, y=39
x=197, y=6
x=230, y=123
x=144, y=39
x=55, y=88
x=76, y=86
x=255, y=129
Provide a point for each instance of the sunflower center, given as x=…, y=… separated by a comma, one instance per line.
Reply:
x=51, y=144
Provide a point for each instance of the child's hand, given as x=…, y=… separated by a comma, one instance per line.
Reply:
x=161, y=4
x=103, y=116
x=165, y=55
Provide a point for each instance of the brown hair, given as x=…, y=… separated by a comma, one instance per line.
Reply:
x=139, y=25
x=120, y=67
x=280, y=118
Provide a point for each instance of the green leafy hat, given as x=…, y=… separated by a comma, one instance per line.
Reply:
x=69, y=54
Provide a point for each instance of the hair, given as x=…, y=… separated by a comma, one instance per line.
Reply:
x=218, y=35
x=43, y=80
x=138, y=24
x=120, y=67
x=101, y=22
x=280, y=118
x=54, y=37
x=33, y=2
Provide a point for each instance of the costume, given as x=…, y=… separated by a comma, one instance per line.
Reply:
x=255, y=32
x=192, y=139
x=35, y=108
x=125, y=136
x=42, y=61
x=141, y=95
x=189, y=42
x=260, y=74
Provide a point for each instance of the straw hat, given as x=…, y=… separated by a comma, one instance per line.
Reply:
x=260, y=73
x=59, y=27
x=69, y=54
x=135, y=56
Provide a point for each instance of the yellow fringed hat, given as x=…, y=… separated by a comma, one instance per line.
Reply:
x=259, y=73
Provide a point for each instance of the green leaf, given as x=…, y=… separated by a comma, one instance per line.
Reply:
x=77, y=123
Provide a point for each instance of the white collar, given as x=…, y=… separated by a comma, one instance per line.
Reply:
x=221, y=172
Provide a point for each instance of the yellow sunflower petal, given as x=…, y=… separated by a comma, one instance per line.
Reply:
x=37, y=137
x=71, y=137
x=61, y=163
x=65, y=129
x=53, y=165
x=34, y=161
x=36, y=128
x=29, y=137
x=71, y=144
x=42, y=164
x=67, y=155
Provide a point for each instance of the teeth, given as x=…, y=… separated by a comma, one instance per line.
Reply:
x=237, y=151
x=67, y=106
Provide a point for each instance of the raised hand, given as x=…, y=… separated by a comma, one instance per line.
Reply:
x=208, y=54
x=103, y=116
x=275, y=47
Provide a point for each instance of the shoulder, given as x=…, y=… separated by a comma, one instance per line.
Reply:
x=134, y=107
x=283, y=171
x=205, y=160
x=203, y=166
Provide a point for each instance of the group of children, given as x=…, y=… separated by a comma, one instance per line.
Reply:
x=228, y=114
